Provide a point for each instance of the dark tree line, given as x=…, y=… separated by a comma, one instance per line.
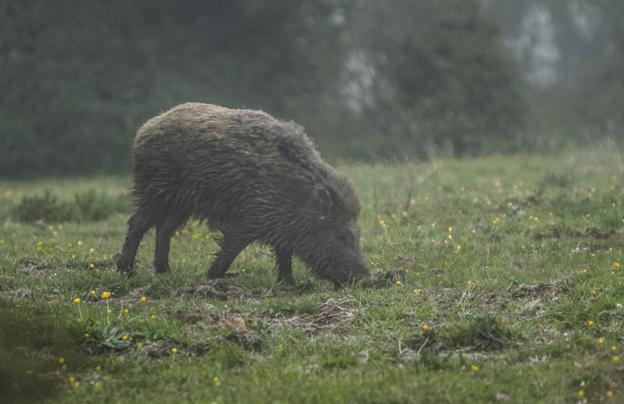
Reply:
x=367, y=79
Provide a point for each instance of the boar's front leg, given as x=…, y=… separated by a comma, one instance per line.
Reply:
x=284, y=265
x=231, y=246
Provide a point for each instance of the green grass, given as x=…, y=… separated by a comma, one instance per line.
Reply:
x=492, y=278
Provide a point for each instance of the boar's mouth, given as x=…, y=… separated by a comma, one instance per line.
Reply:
x=339, y=270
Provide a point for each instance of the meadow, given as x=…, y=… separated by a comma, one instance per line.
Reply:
x=493, y=279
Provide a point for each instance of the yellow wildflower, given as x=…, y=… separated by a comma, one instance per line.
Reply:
x=474, y=368
x=125, y=338
x=425, y=327
x=397, y=282
x=216, y=381
x=106, y=295
x=601, y=340
x=615, y=358
x=616, y=265
x=76, y=300
x=174, y=350
x=153, y=317
x=143, y=299
x=590, y=323
x=609, y=393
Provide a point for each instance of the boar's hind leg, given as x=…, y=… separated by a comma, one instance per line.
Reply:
x=284, y=265
x=164, y=230
x=138, y=224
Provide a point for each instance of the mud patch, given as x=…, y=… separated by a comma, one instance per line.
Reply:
x=333, y=315
x=33, y=266
x=219, y=289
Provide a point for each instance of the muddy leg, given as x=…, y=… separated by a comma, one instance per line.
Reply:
x=284, y=265
x=164, y=232
x=138, y=224
x=230, y=247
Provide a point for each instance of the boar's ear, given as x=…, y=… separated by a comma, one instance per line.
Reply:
x=324, y=201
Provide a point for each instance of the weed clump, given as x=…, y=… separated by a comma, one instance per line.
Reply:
x=483, y=332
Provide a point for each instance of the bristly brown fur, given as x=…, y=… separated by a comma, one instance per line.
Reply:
x=252, y=177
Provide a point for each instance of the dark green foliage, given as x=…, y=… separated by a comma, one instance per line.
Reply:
x=86, y=206
x=78, y=78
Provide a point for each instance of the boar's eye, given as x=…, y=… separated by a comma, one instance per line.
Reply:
x=323, y=201
x=345, y=238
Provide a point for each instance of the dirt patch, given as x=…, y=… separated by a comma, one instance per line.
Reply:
x=385, y=279
x=526, y=200
x=218, y=289
x=544, y=291
x=195, y=314
x=593, y=232
x=33, y=265
x=556, y=232
x=333, y=315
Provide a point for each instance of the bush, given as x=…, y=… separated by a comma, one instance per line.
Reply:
x=86, y=206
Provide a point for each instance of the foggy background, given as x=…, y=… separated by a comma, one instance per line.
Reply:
x=398, y=79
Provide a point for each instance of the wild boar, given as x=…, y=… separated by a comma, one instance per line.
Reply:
x=253, y=178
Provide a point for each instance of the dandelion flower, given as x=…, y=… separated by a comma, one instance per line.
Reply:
x=615, y=358
x=590, y=323
x=79, y=242
x=125, y=338
x=174, y=350
x=152, y=317
x=143, y=299
x=609, y=393
x=61, y=360
x=417, y=291
x=106, y=295
x=125, y=312
x=98, y=368
x=616, y=265
x=76, y=300
x=216, y=381
x=474, y=368
x=91, y=265
x=397, y=282
x=72, y=379
x=583, y=270
x=580, y=393
x=601, y=340
x=425, y=327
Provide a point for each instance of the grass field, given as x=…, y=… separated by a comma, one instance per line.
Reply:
x=497, y=279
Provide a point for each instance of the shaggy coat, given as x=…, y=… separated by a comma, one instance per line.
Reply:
x=249, y=176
